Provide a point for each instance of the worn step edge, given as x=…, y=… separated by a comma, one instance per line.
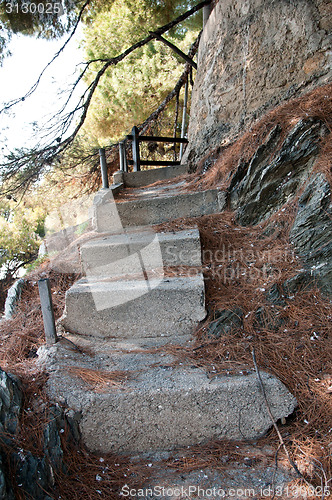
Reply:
x=162, y=404
x=110, y=216
x=149, y=176
x=135, y=308
x=132, y=253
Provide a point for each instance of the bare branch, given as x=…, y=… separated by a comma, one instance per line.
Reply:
x=182, y=80
x=27, y=165
x=35, y=85
x=175, y=49
x=115, y=60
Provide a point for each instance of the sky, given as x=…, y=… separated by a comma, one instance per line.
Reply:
x=20, y=71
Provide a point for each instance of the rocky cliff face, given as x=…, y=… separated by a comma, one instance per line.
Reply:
x=255, y=54
x=247, y=133
x=273, y=174
x=272, y=177
x=312, y=230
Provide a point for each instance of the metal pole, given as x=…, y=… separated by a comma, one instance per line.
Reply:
x=47, y=310
x=121, y=155
x=125, y=155
x=184, y=116
x=103, y=166
x=136, y=158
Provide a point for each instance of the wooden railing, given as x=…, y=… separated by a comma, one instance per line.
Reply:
x=137, y=161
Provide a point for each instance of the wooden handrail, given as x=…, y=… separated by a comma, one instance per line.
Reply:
x=155, y=138
x=157, y=163
x=136, y=139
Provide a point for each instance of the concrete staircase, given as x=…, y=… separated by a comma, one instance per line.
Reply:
x=153, y=205
x=133, y=304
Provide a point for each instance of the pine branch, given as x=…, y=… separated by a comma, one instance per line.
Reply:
x=22, y=169
x=37, y=82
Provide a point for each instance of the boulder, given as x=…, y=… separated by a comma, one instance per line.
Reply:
x=10, y=403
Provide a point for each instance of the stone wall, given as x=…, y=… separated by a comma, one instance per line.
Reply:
x=253, y=55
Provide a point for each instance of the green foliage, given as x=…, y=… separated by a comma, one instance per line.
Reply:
x=132, y=90
x=36, y=263
x=43, y=19
x=126, y=94
x=19, y=240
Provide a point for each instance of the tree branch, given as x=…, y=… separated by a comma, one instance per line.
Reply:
x=175, y=49
x=27, y=165
x=182, y=80
x=35, y=85
x=115, y=60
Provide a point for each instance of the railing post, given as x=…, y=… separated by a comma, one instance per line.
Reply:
x=103, y=166
x=121, y=155
x=184, y=116
x=136, y=158
x=47, y=310
x=125, y=161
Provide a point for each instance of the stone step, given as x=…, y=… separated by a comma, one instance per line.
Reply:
x=152, y=307
x=153, y=209
x=149, y=176
x=135, y=252
x=162, y=403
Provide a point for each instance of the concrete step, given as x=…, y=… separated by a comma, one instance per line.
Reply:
x=163, y=403
x=151, y=307
x=156, y=208
x=134, y=252
x=149, y=176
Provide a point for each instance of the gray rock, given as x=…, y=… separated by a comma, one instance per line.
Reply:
x=10, y=403
x=275, y=295
x=297, y=283
x=6, y=493
x=33, y=475
x=225, y=321
x=265, y=183
x=267, y=319
x=52, y=441
x=13, y=296
x=59, y=423
x=10, y=408
x=3, y=486
x=312, y=230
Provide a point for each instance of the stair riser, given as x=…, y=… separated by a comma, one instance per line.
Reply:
x=126, y=254
x=146, y=177
x=157, y=210
x=165, y=408
x=135, y=309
